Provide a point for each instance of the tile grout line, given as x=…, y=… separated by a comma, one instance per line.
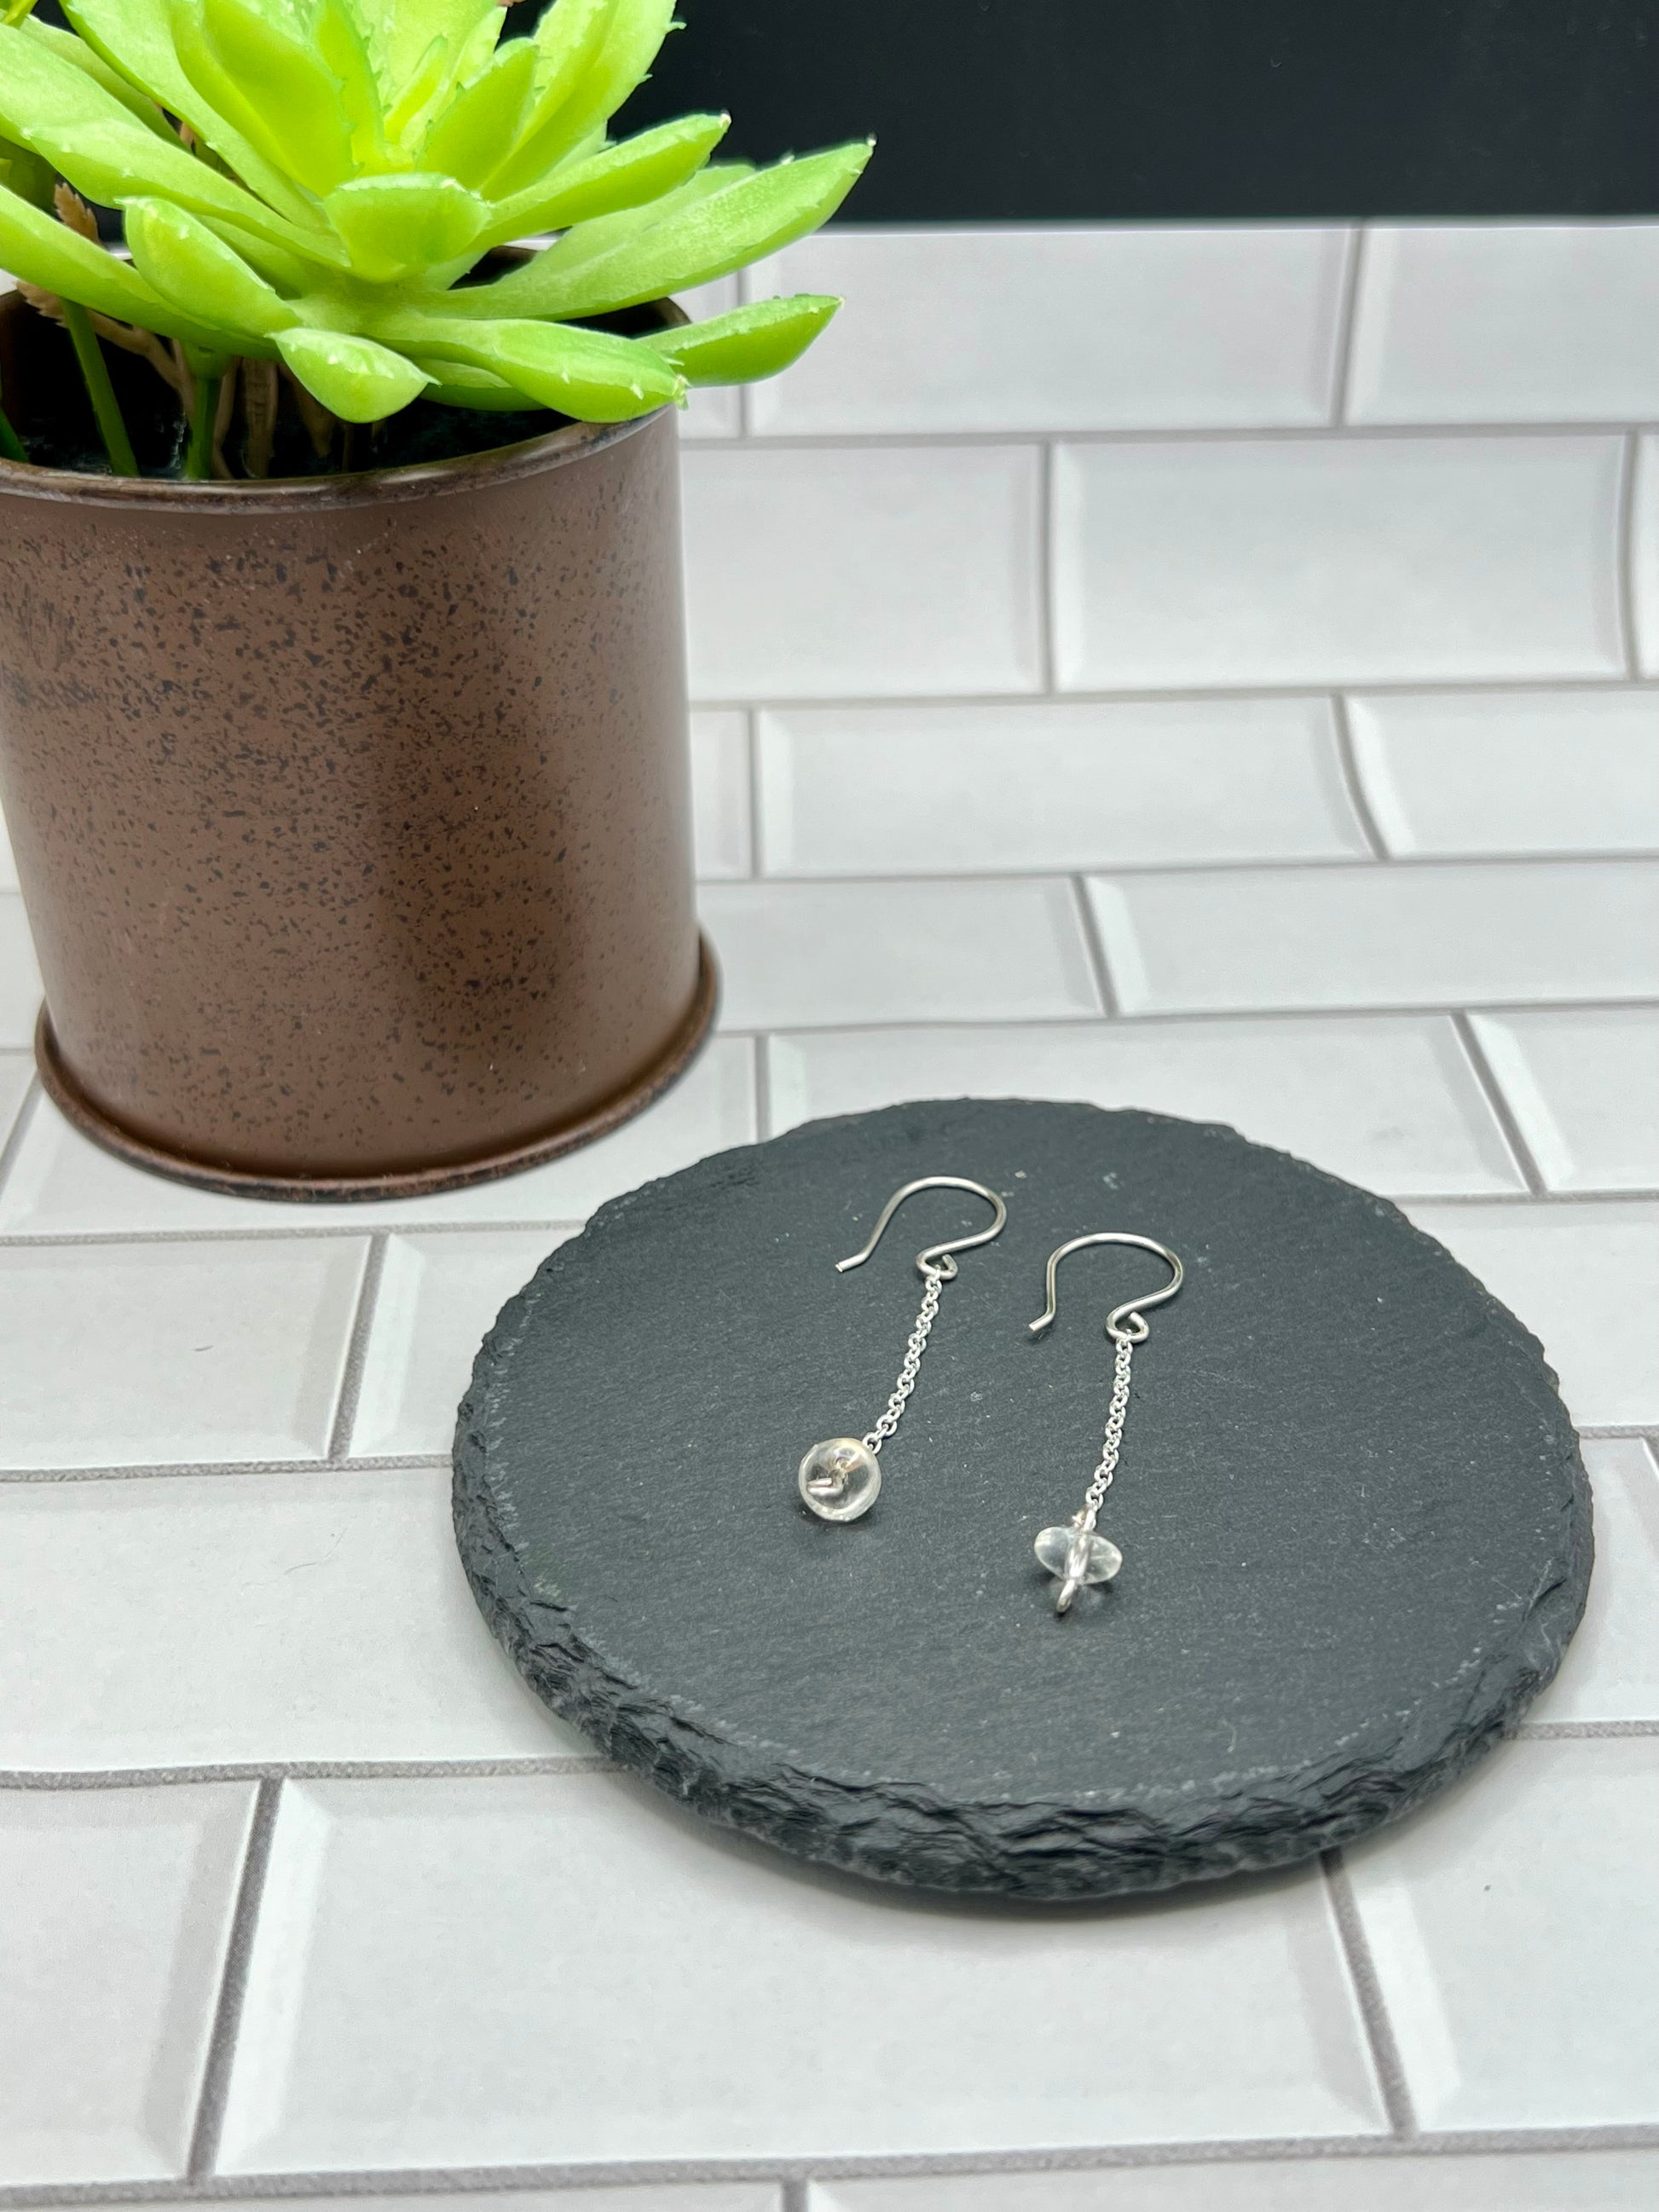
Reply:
x=22, y=1239
x=1585, y=1731
x=1503, y=1113
x=233, y=1986
x=1582, y=429
x=1129, y=695
x=1347, y=321
x=509, y=2179
x=1368, y=1993
x=362, y=1323
x=760, y=1075
x=1094, y=945
x=1353, y=781
x=795, y=2195
x=1625, y=556
x=1324, y=864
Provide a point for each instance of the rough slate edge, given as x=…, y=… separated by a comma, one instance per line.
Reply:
x=1038, y=1848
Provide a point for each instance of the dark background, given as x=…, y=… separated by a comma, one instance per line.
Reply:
x=1030, y=109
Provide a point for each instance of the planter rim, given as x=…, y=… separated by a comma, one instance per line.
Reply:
x=529, y=457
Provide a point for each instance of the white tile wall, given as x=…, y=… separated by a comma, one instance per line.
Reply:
x=1583, y=1082
x=1351, y=560
x=1507, y=323
x=17, y=1072
x=20, y=978
x=439, y=1296
x=420, y=1939
x=8, y=860
x=1611, y=1672
x=904, y=570
x=173, y=1352
x=1511, y=771
x=836, y=953
x=1584, y=1278
x=60, y=1185
x=1078, y=329
x=115, y=1909
x=1381, y=936
x=1388, y=1102
x=1527, y=2181
x=720, y=791
x=1537, y=1874
x=1645, y=555
x=937, y=790
x=226, y=1620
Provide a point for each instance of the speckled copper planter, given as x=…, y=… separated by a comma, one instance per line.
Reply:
x=352, y=813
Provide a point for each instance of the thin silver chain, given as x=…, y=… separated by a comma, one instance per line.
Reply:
x=912, y=1352
x=1116, y=1413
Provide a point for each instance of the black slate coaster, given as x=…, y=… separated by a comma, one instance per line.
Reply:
x=1355, y=1525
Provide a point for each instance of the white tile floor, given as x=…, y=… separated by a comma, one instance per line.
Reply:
x=1057, y=734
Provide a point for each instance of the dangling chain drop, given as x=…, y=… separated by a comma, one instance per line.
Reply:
x=1113, y=1444
x=907, y=1374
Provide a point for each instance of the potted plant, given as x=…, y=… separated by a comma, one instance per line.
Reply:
x=342, y=691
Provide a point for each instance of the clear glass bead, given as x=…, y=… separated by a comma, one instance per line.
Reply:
x=1078, y=1555
x=838, y=1478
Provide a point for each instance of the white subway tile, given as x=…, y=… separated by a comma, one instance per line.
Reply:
x=825, y=954
x=115, y=1909
x=719, y=793
x=1515, y=1930
x=1584, y=1278
x=1389, y=1102
x=1336, y=560
x=402, y=2010
x=60, y=1185
x=227, y=1619
x=1582, y=1083
x=20, y=978
x=884, y=790
x=1086, y=328
x=1644, y=556
x=16, y=1073
x=116, y=1355
x=716, y=409
x=841, y=573
x=1507, y=323
x=1381, y=936
x=1611, y=1672
x=1516, y=2181
x=1511, y=772
x=439, y=1296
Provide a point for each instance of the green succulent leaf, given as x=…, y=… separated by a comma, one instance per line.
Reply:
x=587, y=375
x=464, y=139
x=79, y=55
x=708, y=237
x=748, y=344
x=341, y=43
x=400, y=32
x=391, y=225
x=135, y=38
x=298, y=104
x=185, y=263
x=355, y=379
x=640, y=169
x=25, y=174
x=42, y=251
x=635, y=29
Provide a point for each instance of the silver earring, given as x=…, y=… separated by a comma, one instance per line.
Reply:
x=839, y=1479
x=1074, y=1554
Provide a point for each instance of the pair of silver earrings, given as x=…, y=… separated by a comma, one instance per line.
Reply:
x=840, y=1479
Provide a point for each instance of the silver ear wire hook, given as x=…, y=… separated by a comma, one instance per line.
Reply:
x=1125, y=1324
x=936, y=1259
x=1073, y=1553
x=839, y=1479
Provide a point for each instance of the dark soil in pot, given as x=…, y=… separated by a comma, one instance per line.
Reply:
x=351, y=813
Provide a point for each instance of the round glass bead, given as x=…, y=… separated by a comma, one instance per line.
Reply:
x=1078, y=1555
x=838, y=1478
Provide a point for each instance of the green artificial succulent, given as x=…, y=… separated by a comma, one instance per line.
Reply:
x=314, y=181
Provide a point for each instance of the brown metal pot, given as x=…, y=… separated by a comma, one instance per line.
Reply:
x=352, y=812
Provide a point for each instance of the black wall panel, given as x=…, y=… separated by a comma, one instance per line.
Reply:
x=1029, y=109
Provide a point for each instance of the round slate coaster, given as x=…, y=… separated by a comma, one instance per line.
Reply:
x=1355, y=1527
